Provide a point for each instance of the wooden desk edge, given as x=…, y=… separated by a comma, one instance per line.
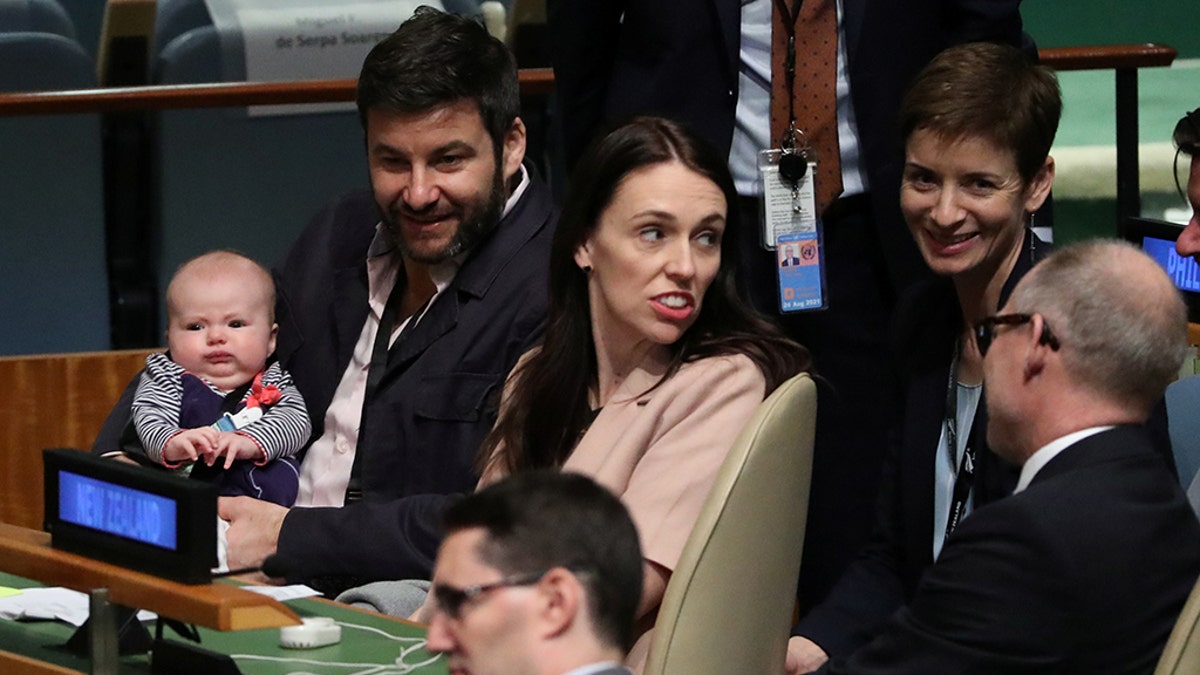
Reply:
x=15, y=663
x=76, y=356
x=532, y=81
x=1104, y=57
x=219, y=606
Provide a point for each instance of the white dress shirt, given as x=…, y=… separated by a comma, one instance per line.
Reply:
x=1049, y=451
x=752, y=124
x=593, y=668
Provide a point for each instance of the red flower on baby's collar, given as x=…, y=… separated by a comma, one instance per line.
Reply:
x=260, y=395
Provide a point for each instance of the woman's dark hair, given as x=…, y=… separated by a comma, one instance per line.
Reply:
x=988, y=90
x=547, y=408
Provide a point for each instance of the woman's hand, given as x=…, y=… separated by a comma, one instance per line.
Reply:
x=424, y=613
x=654, y=584
x=804, y=656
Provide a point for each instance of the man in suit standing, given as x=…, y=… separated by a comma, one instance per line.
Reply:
x=539, y=574
x=1086, y=566
x=709, y=63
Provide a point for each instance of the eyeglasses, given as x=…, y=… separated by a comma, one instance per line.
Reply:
x=985, y=330
x=451, y=600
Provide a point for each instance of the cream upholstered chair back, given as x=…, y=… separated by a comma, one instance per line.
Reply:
x=1182, y=653
x=728, y=605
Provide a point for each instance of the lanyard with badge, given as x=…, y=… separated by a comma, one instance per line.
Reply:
x=790, y=223
x=964, y=477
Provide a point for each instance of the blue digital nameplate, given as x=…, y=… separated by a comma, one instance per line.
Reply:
x=1184, y=272
x=136, y=517
x=1157, y=239
x=116, y=509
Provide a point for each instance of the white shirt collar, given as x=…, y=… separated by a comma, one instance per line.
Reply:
x=1049, y=451
x=516, y=194
x=593, y=668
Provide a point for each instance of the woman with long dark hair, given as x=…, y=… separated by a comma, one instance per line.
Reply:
x=651, y=362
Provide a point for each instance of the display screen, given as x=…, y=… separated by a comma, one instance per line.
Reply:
x=116, y=509
x=1184, y=272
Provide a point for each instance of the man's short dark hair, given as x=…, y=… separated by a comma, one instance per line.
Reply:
x=435, y=59
x=538, y=520
x=1187, y=133
x=1187, y=142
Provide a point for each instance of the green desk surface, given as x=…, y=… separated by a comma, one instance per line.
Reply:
x=360, y=650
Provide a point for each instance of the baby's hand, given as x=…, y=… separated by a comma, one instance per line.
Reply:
x=188, y=445
x=232, y=445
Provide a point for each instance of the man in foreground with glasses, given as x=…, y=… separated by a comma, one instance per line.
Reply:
x=1187, y=140
x=1086, y=566
x=539, y=574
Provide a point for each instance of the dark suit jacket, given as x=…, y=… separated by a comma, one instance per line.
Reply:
x=1083, y=572
x=438, y=397
x=885, y=575
x=679, y=59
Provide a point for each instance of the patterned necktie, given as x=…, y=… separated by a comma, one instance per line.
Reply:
x=814, y=86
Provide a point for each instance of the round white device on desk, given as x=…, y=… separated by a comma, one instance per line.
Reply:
x=314, y=632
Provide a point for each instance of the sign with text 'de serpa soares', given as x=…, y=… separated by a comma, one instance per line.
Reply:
x=288, y=40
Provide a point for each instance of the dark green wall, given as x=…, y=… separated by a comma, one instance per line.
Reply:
x=1067, y=23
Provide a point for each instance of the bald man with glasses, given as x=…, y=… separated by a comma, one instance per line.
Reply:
x=1085, y=567
x=539, y=574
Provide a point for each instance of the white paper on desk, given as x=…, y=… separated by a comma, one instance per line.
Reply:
x=49, y=604
x=282, y=593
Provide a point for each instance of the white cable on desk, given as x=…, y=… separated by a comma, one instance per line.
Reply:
x=397, y=667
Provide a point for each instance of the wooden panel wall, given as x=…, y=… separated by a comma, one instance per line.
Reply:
x=52, y=401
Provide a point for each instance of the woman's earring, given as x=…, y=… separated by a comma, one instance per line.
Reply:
x=587, y=269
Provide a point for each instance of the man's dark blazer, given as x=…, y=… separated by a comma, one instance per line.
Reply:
x=1084, y=571
x=438, y=396
x=885, y=575
x=679, y=59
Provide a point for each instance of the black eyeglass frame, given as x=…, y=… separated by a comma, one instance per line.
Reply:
x=985, y=330
x=1187, y=142
x=451, y=600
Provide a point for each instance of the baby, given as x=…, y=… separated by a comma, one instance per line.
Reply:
x=214, y=402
